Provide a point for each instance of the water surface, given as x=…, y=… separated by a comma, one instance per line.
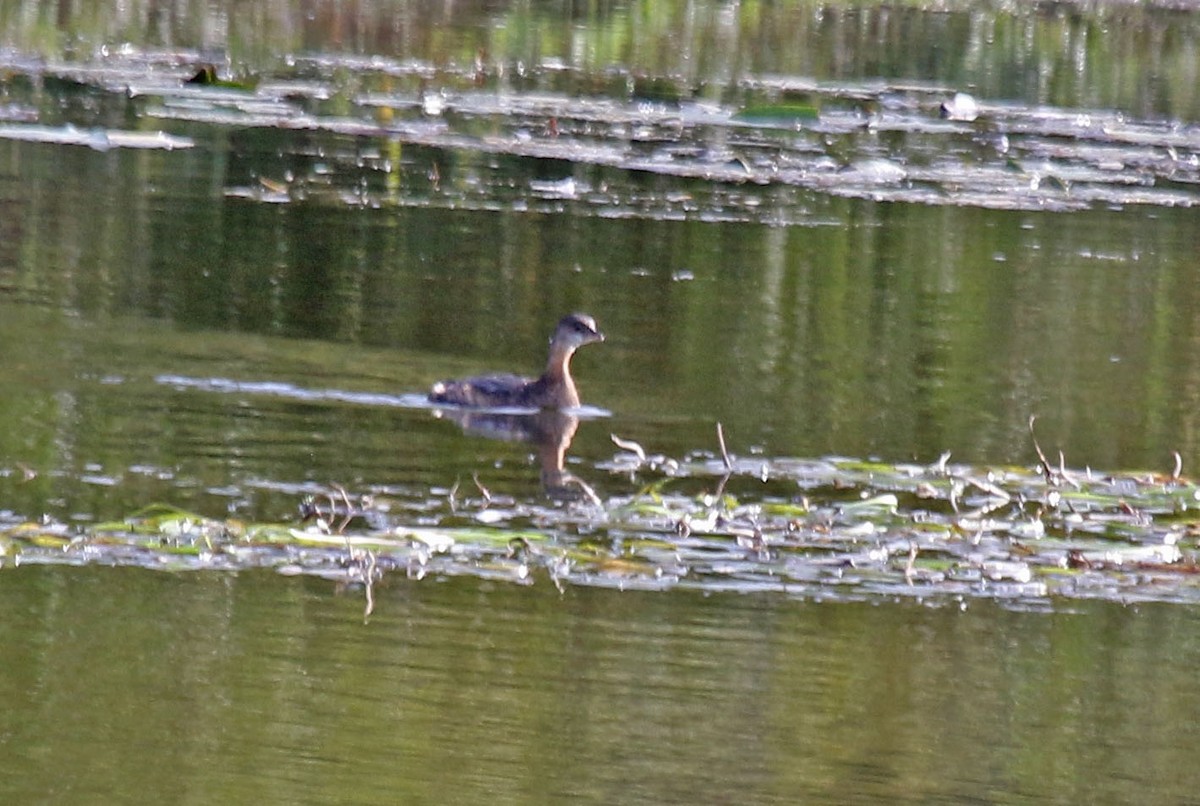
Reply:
x=228, y=298
x=252, y=685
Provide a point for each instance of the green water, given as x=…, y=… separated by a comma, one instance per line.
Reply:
x=416, y=191
x=201, y=687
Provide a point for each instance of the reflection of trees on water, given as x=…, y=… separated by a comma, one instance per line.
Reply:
x=550, y=431
x=963, y=320
x=1138, y=57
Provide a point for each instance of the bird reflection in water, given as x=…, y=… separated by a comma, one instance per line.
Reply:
x=550, y=431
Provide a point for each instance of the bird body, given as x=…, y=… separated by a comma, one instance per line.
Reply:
x=554, y=388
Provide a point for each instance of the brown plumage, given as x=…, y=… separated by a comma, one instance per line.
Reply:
x=555, y=388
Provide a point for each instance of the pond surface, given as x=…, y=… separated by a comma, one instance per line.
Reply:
x=237, y=244
x=205, y=687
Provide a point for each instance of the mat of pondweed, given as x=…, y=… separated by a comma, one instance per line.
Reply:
x=833, y=527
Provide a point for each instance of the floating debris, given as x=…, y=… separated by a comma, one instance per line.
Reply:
x=848, y=529
x=961, y=107
x=724, y=160
x=98, y=138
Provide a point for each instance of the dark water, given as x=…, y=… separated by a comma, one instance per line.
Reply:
x=216, y=687
x=247, y=311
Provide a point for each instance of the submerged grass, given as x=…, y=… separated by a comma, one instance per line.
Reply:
x=842, y=528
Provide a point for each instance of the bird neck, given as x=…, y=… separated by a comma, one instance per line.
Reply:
x=558, y=364
x=558, y=375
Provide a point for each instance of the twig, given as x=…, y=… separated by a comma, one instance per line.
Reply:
x=370, y=583
x=1178, y=471
x=724, y=453
x=1064, y=475
x=588, y=492
x=487, y=496
x=720, y=493
x=910, y=566
x=1053, y=477
x=986, y=486
x=629, y=445
x=349, y=508
x=1046, y=470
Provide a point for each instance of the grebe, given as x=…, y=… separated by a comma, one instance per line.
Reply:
x=554, y=389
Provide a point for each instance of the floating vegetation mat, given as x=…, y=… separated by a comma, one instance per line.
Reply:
x=379, y=133
x=831, y=528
